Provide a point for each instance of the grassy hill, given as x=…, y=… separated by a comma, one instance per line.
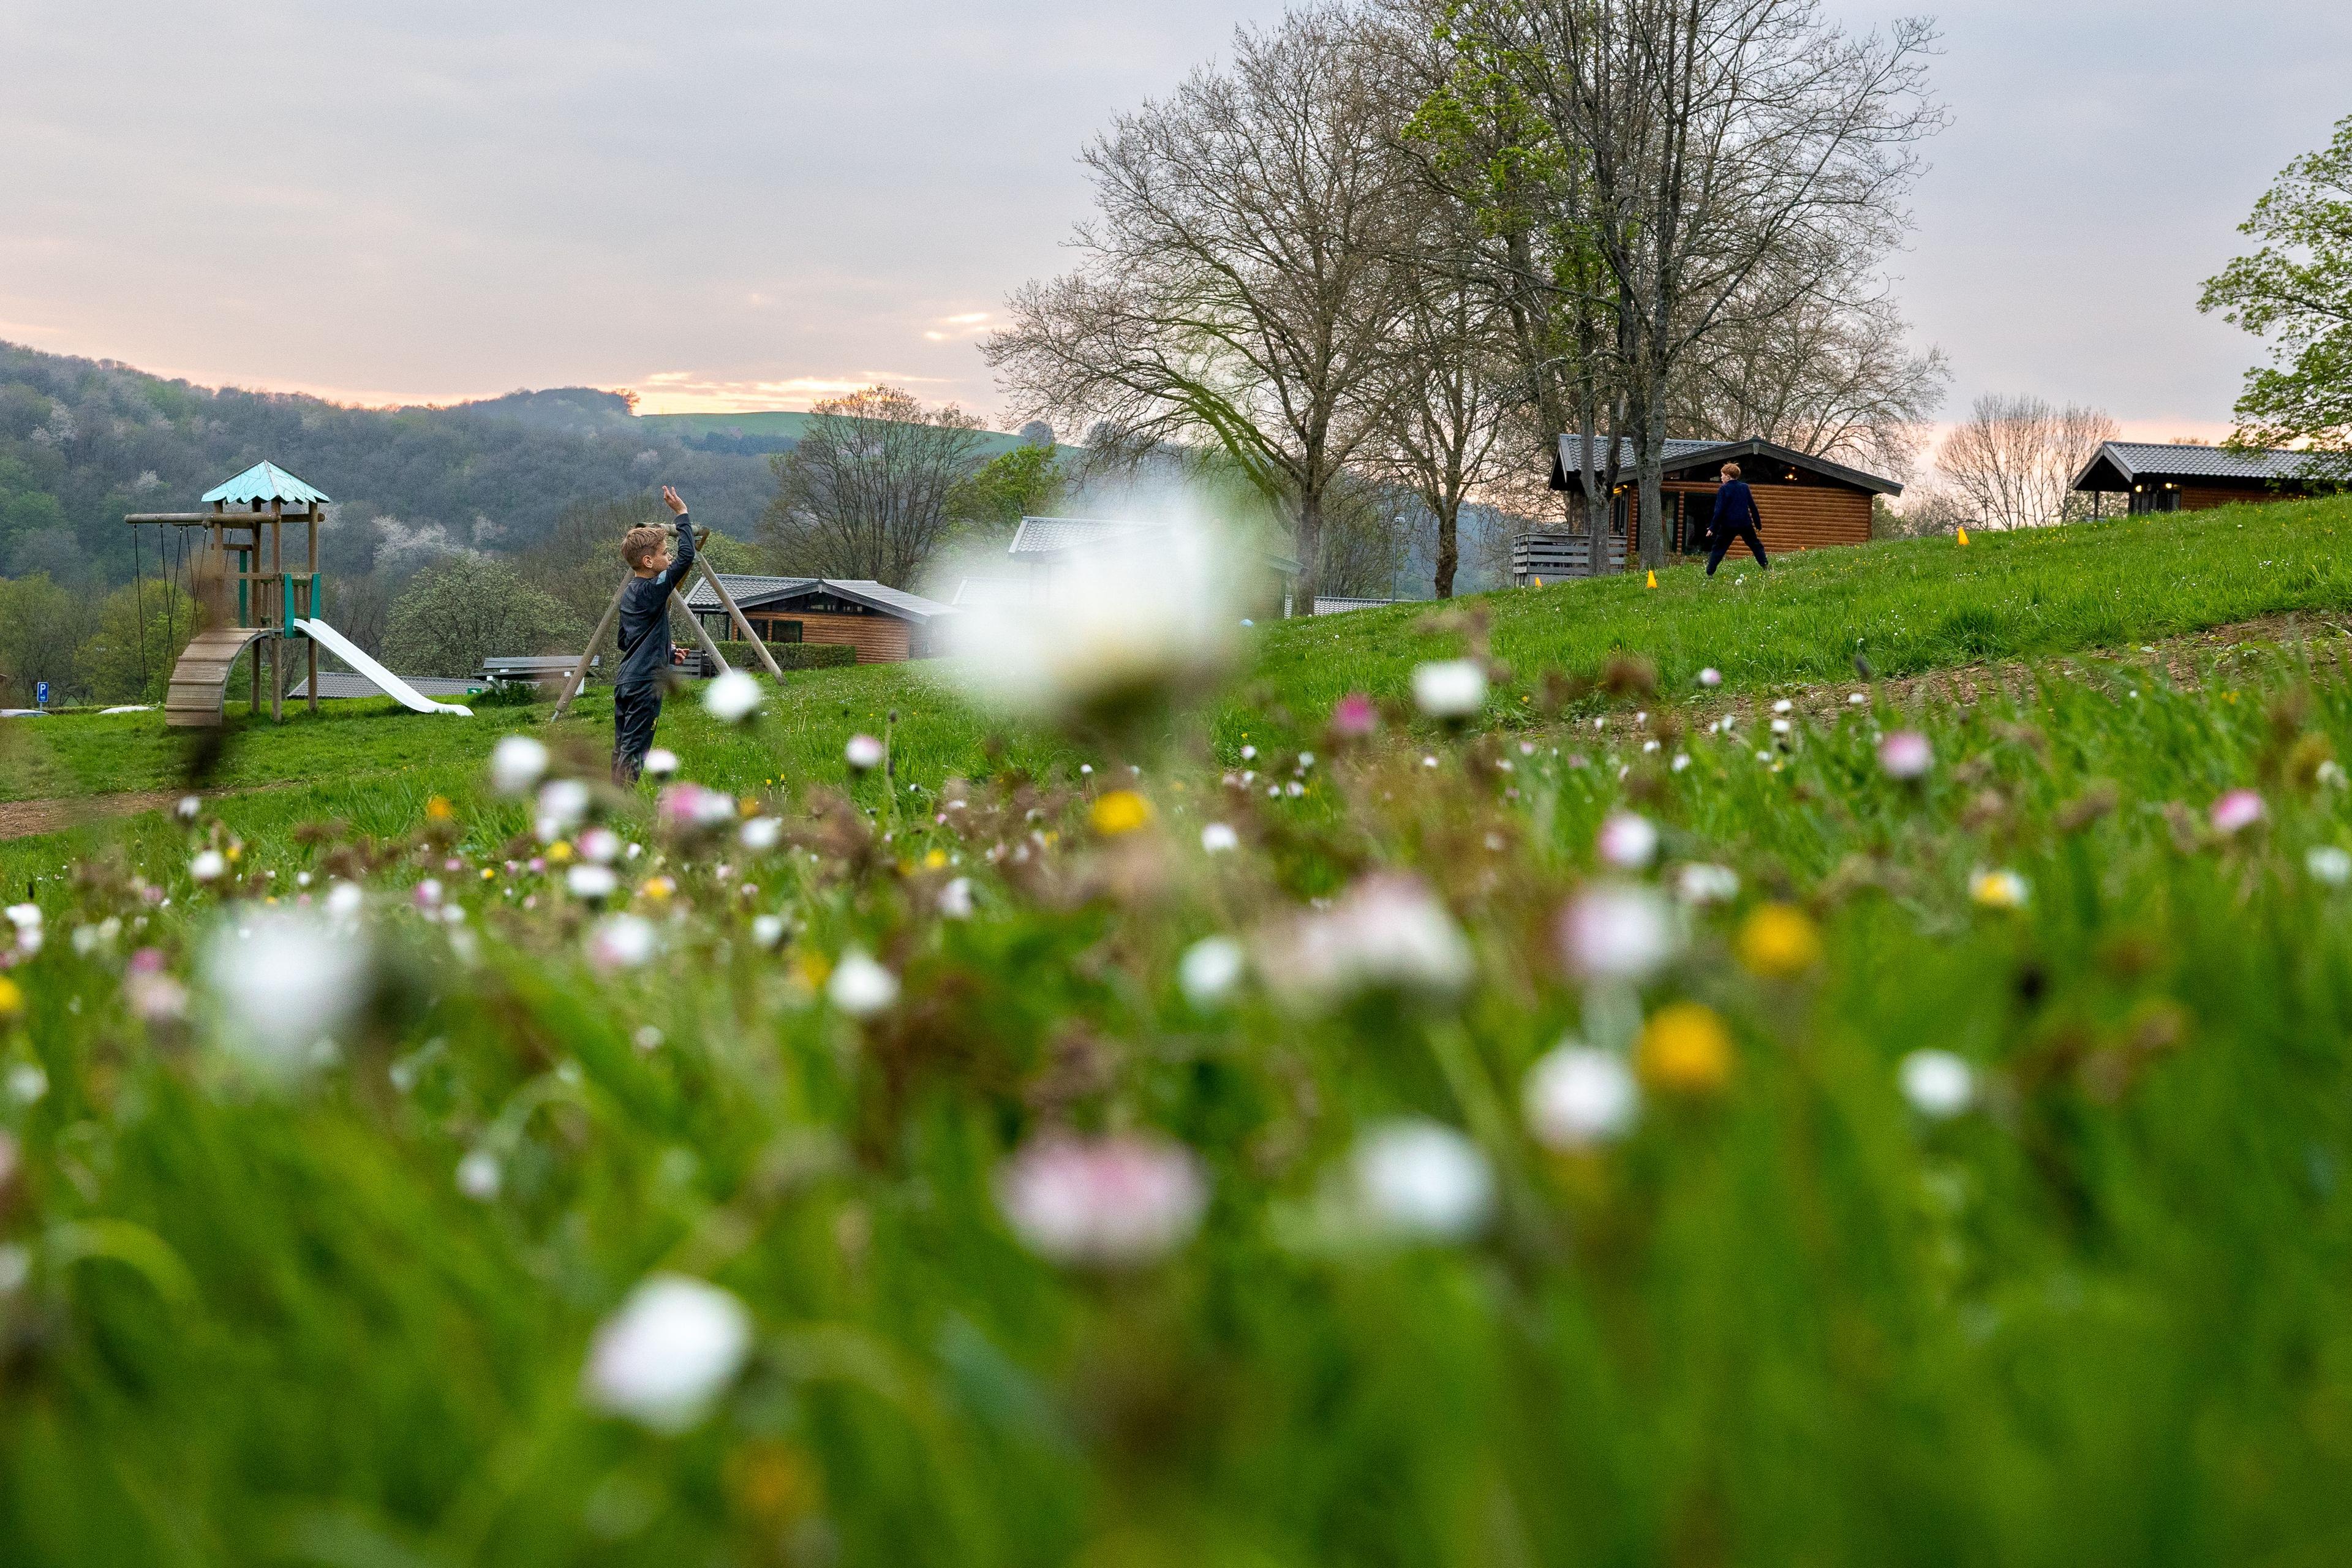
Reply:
x=1768, y=1146
x=1906, y=606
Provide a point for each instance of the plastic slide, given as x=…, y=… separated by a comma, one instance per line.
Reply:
x=399, y=690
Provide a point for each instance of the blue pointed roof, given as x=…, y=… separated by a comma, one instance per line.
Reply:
x=265, y=481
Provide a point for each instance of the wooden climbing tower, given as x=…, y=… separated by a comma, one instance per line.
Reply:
x=245, y=546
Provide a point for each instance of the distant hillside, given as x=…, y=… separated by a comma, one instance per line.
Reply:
x=776, y=430
x=82, y=442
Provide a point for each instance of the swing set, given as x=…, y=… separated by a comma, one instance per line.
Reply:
x=578, y=675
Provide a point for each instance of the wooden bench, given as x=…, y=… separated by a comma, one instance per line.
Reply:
x=1552, y=554
x=534, y=667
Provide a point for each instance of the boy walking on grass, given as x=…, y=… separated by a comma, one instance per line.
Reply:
x=645, y=636
x=1735, y=517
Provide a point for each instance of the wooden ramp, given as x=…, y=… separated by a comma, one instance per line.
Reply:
x=200, y=680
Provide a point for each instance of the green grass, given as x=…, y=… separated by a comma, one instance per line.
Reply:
x=2103, y=1315
x=1908, y=606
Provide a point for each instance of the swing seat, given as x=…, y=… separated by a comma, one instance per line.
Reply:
x=200, y=680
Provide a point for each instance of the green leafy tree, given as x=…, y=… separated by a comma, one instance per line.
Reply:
x=41, y=629
x=455, y=615
x=2296, y=290
x=1025, y=482
x=141, y=628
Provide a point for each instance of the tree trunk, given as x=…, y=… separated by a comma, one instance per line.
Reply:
x=1595, y=491
x=1310, y=549
x=1650, y=463
x=1449, y=552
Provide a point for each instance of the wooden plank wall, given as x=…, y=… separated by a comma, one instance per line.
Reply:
x=878, y=639
x=1803, y=516
x=1800, y=517
x=2206, y=499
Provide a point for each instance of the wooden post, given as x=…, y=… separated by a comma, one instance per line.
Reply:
x=276, y=614
x=572, y=682
x=759, y=645
x=310, y=602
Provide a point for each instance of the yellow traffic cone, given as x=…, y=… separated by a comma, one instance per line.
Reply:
x=1653, y=580
x=1964, y=536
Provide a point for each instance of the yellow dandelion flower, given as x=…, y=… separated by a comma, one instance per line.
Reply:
x=1998, y=889
x=12, y=997
x=1685, y=1049
x=559, y=851
x=935, y=859
x=488, y=873
x=659, y=888
x=439, y=809
x=1121, y=811
x=1779, y=940
x=235, y=853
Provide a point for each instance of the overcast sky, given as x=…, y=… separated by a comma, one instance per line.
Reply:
x=754, y=204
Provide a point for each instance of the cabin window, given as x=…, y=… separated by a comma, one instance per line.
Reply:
x=772, y=630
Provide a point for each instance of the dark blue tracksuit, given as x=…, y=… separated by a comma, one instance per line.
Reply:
x=644, y=658
x=1736, y=517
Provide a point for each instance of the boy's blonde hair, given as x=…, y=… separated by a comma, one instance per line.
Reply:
x=640, y=543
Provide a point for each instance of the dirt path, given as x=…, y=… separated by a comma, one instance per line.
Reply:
x=24, y=818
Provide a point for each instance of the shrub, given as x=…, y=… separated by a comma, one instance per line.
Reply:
x=791, y=655
x=456, y=613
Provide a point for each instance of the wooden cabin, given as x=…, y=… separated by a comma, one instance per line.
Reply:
x=1806, y=503
x=885, y=624
x=2185, y=477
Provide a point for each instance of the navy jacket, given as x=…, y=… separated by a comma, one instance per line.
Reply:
x=1734, y=504
x=645, y=616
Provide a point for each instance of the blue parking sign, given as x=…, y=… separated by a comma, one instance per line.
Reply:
x=41, y=694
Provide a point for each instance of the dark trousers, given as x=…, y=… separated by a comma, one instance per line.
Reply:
x=634, y=709
x=1724, y=536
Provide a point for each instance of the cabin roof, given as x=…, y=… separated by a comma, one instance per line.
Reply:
x=1040, y=536
x=2119, y=465
x=266, y=481
x=767, y=592
x=1683, y=452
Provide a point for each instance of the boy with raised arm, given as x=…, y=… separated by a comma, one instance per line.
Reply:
x=645, y=636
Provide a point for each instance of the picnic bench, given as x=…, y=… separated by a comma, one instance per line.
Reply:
x=535, y=668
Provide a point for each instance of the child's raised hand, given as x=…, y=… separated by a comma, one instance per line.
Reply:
x=670, y=498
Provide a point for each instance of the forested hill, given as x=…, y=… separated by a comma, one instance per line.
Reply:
x=82, y=442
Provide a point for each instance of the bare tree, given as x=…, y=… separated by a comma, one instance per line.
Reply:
x=1835, y=379
x=864, y=492
x=1239, y=280
x=1368, y=533
x=1448, y=406
x=1724, y=160
x=1514, y=210
x=2012, y=461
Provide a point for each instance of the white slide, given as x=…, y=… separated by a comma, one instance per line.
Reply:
x=399, y=690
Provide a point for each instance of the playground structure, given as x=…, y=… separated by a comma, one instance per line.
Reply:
x=261, y=500
x=579, y=672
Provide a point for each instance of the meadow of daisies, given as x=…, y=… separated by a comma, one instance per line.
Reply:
x=1231, y=1121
